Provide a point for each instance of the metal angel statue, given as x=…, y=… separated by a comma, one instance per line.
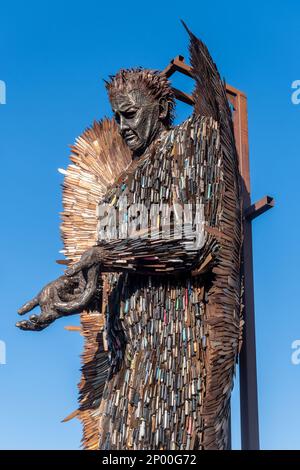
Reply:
x=152, y=234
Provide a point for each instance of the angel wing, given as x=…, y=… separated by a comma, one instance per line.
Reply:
x=224, y=310
x=210, y=92
x=98, y=157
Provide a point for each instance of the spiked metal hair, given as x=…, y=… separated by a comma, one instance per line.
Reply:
x=152, y=82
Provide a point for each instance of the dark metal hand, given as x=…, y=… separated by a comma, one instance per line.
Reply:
x=80, y=302
x=64, y=296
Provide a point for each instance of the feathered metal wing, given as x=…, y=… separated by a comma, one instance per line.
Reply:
x=210, y=93
x=98, y=157
x=224, y=310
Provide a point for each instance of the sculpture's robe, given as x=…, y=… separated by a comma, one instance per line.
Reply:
x=173, y=320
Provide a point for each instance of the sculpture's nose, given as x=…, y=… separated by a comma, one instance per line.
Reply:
x=123, y=124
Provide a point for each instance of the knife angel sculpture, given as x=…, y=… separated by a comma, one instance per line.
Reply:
x=152, y=233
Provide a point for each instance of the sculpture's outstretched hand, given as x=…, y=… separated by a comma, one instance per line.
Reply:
x=64, y=296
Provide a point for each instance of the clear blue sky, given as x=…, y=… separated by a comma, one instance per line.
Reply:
x=54, y=55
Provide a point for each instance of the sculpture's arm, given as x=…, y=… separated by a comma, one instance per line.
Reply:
x=146, y=255
x=74, y=291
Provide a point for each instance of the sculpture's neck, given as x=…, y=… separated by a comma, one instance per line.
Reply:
x=156, y=135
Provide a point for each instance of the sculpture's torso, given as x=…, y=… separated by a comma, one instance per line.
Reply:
x=155, y=324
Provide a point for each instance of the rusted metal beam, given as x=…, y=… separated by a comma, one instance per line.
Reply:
x=184, y=97
x=234, y=91
x=247, y=359
x=178, y=65
x=259, y=207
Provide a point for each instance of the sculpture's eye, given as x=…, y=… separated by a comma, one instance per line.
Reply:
x=129, y=114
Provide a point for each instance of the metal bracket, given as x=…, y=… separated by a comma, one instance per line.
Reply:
x=259, y=207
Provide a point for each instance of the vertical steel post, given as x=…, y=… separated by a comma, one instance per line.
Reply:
x=247, y=360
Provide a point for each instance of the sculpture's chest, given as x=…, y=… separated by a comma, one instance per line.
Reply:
x=149, y=183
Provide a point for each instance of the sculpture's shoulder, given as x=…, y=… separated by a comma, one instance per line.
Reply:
x=194, y=128
x=190, y=138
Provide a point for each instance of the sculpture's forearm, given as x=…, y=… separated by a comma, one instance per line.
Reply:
x=150, y=255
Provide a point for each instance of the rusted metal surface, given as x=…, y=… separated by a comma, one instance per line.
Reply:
x=178, y=65
x=247, y=360
x=184, y=97
x=259, y=207
x=248, y=373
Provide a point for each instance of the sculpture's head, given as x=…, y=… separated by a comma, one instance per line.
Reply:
x=143, y=104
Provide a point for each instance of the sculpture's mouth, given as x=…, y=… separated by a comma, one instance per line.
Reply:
x=130, y=138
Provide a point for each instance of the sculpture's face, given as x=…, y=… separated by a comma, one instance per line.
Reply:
x=138, y=117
